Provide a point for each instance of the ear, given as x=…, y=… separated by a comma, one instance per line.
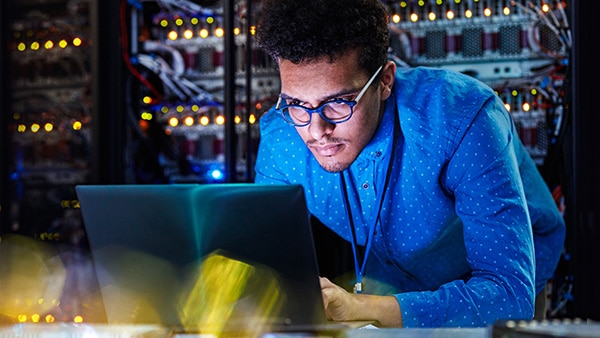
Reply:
x=388, y=74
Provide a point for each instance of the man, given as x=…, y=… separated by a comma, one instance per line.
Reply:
x=421, y=170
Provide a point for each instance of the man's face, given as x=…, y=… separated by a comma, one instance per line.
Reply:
x=335, y=146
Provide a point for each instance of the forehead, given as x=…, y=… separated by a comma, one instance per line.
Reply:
x=320, y=79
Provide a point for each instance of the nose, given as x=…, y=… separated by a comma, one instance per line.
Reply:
x=318, y=127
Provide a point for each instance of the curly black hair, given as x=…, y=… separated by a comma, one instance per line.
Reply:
x=310, y=30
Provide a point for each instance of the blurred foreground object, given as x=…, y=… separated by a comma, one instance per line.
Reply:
x=32, y=277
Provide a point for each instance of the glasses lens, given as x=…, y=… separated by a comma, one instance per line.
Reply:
x=296, y=115
x=337, y=111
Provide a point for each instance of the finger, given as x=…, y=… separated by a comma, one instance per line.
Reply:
x=325, y=282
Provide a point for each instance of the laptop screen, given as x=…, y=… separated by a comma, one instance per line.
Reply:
x=232, y=256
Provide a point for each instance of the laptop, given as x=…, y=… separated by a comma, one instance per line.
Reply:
x=230, y=257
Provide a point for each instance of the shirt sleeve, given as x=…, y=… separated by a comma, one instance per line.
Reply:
x=549, y=229
x=483, y=177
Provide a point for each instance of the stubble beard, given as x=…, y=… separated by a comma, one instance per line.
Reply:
x=334, y=167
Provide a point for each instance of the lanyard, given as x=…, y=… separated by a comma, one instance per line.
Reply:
x=360, y=270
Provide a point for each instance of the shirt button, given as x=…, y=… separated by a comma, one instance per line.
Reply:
x=378, y=153
x=365, y=185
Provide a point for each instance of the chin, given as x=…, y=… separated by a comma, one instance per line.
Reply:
x=332, y=165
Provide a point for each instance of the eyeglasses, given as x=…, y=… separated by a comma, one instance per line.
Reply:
x=333, y=111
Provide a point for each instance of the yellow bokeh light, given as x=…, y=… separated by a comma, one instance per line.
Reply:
x=179, y=22
x=35, y=127
x=63, y=43
x=146, y=116
x=526, y=107
x=49, y=319
x=468, y=14
x=414, y=17
x=545, y=8
x=172, y=35
x=49, y=44
x=21, y=46
x=21, y=128
x=188, y=34
x=204, y=120
x=220, y=119
x=449, y=15
x=173, y=122
x=431, y=16
x=164, y=23
x=395, y=18
x=203, y=33
x=77, y=125
x=35, y=318
x=219, y=32
x=180, y=108
x=78, y=319
x=77, y=42
x=487, y=12
x=252, y=119
x=188, y=121
x=237, y=119
x=48, y=127
x=507, y=106
x=218, y=291
x=35, y=45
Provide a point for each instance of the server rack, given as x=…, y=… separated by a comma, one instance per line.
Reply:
x=196, y=88
x=580, y=154
x=60, y=127
x=62, y=107
x=47, y=116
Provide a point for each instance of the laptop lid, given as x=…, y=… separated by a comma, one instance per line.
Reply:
x=215, y=257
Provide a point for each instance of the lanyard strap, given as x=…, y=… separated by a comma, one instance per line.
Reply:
x=360, y=270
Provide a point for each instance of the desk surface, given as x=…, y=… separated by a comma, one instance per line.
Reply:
x=419, y=333
x=148, y=331
x=57, y=330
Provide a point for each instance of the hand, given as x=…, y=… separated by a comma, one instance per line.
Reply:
x=340, y=305
x=337, y=301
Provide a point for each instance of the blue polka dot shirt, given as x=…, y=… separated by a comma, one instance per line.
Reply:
x=454, y=240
